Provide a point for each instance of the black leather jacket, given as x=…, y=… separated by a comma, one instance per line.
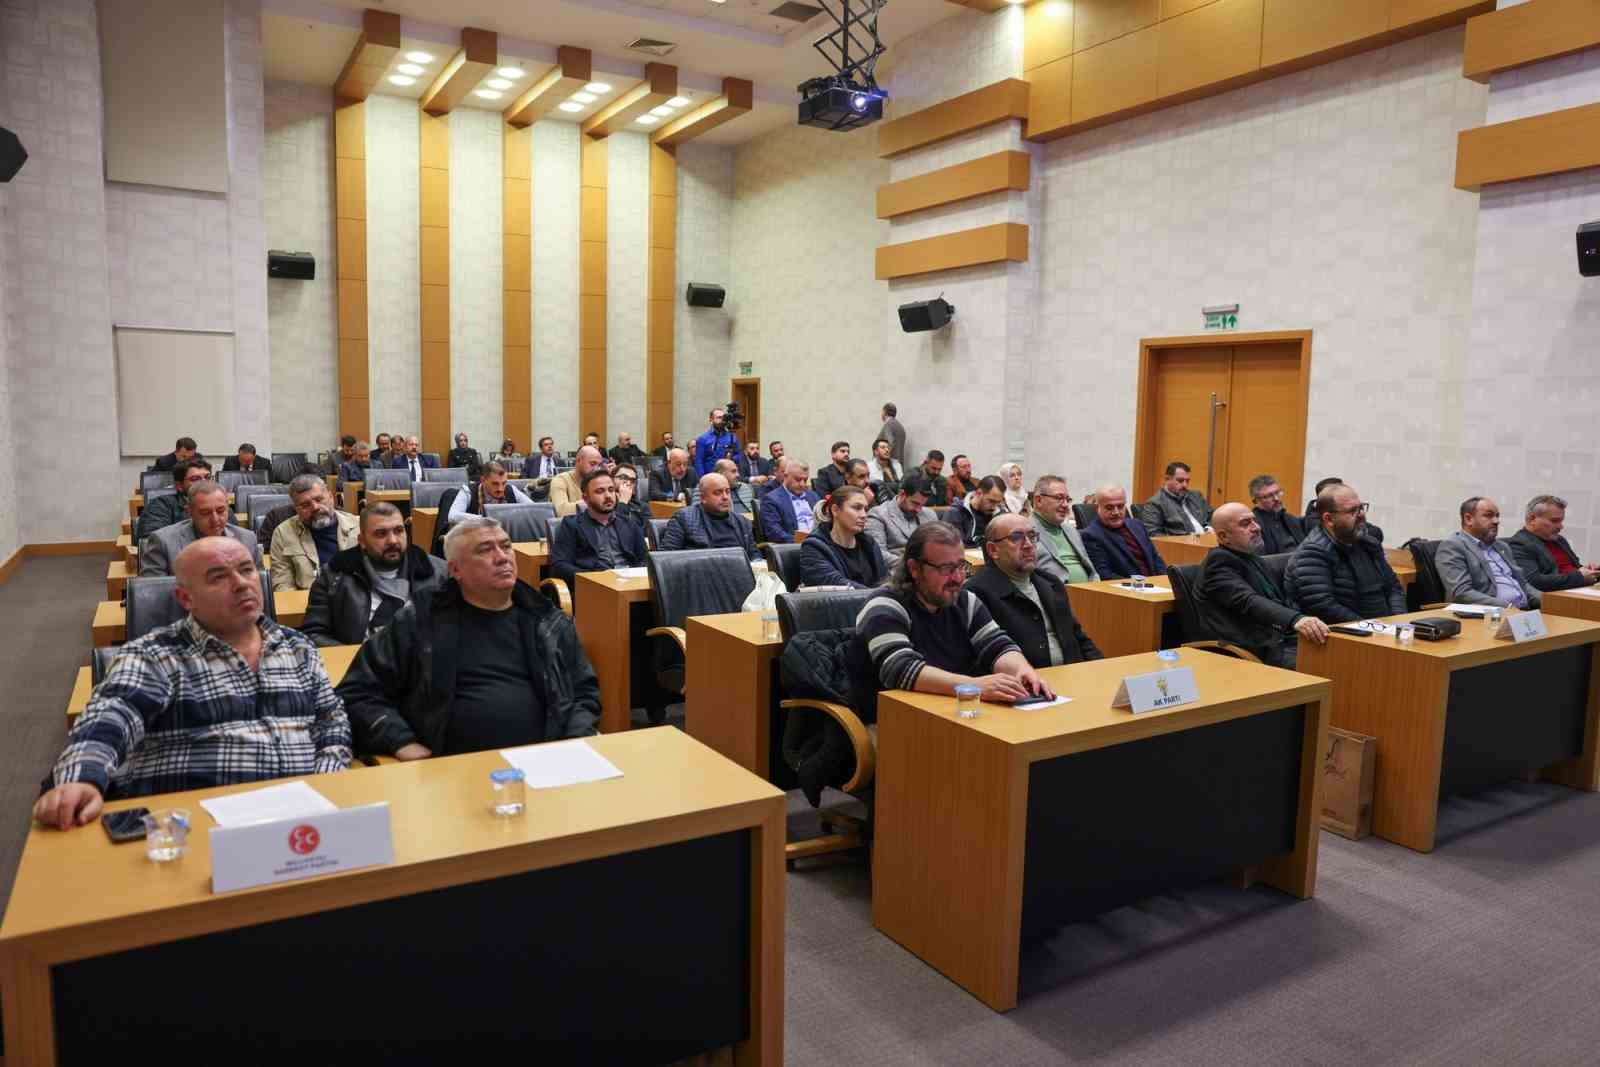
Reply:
x=340, y=603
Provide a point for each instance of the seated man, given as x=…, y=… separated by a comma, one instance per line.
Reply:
x=971, y=514
x=832, y=476
x=752, y=468
x=626, y=451
x=543, y=463
x=664, y=449
x=673, y=481
x=385, y=453
x=597, y=538
x=960, y=482
x=882, y=468
x=1062, y=554
x=220, y=697
x=360, y=590
x=494, y=487
x=566, y=491
x=209, y=516
x=465, y=456
x=1370, y=530
x=892, y=523
x=1546, y=558
x=1476, y=567
x=1118, y=544
x=855, y=474
x=304, y=544
x=173, y=508
x=938, y=487
x=246, y=460
x=345, y=453
x=744, y=497
x=1028, y=604
x=711, y=523
x=481, y=662
x=1339, y=573
x=1241, y=601
x=413, y=460
x=787, y=510
x=184, y=449
x=1175, y=509
x=630, y=503
x=1280, y=530
x=355, y=469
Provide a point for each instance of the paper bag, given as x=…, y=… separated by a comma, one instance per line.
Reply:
x=1348, y=776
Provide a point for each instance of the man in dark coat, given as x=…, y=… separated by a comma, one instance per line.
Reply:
x=361, y=589
x=1281, y=531
x=1242, y=601
x=1339, y=573
x=1547, y=560
x=1029, y=605
x=1118, y=544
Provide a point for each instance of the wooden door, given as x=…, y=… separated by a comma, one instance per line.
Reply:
x=1262, y=437
x=747, y=391
x=1185, y=381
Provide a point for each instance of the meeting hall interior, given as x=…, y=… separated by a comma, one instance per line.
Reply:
x=711, y=532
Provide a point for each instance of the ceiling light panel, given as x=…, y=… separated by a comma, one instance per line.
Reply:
x=677, y=101
x=647, y=120
x=583, y=98
x=510, y=72
x=419, y=57
x=401, y=79
x=569, y=106
x=487, y=94
x=498, y=83
x=409, y=68
x=597, y=87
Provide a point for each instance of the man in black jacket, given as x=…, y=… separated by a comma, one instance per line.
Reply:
x=596, y=538
x=164, y=511
x=711, y=523
x=1339, y=573
x=972, y=514
x=361, y=589
x=247, y=460
x=1030, y=606
x=1240, y=599
x=1280, y=530
x=1547, y=559
x=184, y=449
x=483, y=662
x=673, y=481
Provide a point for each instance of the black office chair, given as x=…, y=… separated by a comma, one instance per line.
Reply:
x=154, y=480
x=523, y=522
x=652, y=532
x=1427, y=588
x=783, y=559
x=260, y=504
x=455, y=475
x=243, y=493
x=709, y=581
x=1083, y=515
x=100, y=662
x=436, y=459
x=821, y=609
x=426, y=494
x=388, y=478
x=153, y=603
x=157, y=491
x=1185, y=580
x=232, y=480
x=269, y=525
x=287, y=466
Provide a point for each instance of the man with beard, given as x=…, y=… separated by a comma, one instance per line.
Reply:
x=360, y=590
x=209, y=516
x=1242, y=601
x=711, y=523
x=1339, y=573
x=304, y=544
x=1281, y=530
x=594, y=539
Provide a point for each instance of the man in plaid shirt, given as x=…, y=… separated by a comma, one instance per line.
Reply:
x=223, y=696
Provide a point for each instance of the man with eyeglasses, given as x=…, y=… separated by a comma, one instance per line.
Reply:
x=1243, y=600
x=1028, y=604
x=1339, y=573
x=629, y=506
x=1280, y=531
x=1118, y=543
x=1476, y=567
x=1062, y=555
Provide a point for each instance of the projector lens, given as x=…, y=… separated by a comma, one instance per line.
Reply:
x=859, y=102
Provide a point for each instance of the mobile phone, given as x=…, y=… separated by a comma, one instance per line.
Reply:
x=1028, y=702
x=1351, y=630
x=125, y=826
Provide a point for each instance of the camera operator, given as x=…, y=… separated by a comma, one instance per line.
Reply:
x=716, y=443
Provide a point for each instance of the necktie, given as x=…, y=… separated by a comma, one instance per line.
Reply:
x=416, y=473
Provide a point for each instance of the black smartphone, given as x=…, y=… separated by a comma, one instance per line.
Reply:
x=1350, y=630
x=125, y=826
x=1028, y=702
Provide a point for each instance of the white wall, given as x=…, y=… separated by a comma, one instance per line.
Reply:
x=555, y=284
x=703, y=337
x=627, y=282
x=477, y=293
x=394, y=273
x=247, y=225
x=10, y=540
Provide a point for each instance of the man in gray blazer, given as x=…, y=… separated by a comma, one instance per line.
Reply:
x=1547, y=560
x=1175, y=509
x=209, y=516
x=1476, y=567
x=1061, y=551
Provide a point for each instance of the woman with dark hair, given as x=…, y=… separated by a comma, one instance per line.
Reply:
x=464, y=456
x=839, y=552
x=508, y=456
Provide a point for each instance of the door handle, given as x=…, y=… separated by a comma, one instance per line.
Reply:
x=1211, y=445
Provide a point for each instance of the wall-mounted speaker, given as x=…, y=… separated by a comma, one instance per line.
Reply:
x=705, y=296
x=301, y=266
x=12, y=155
x=1589, y=249
x=926, y=315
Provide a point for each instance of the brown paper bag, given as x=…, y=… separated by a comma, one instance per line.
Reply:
x=1347, y=779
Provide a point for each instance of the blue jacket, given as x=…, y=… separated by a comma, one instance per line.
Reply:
x=687, y=529
x=710, y=447
x=402, y=461
x=575, y=546
x=777, y=514
x=1110, y=555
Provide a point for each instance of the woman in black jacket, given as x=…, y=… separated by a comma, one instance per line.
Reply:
x=839, y=552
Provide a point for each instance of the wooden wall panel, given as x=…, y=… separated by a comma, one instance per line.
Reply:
x=518, y=262
x=1209, y=45
x=516, y=414
x=1174, y=8
x=369, y=60
x=592, y=319
x=571, y=72
x=1528, y=33
x=479, y=52
x=984, y=244
x=1047, y=29
x=987, y=174
x=1094, y=22
x=353, y=309
x=1115, y=77
x=434, y=253
x=592, y=293
x=350, y=255
x=433, y=140
x=518, y=320
x=1435, y=13
x=1529, y=148
x=1295, y=29
x=993, y=103
x=1049, y=99
x=738, y=97
x=661, y=352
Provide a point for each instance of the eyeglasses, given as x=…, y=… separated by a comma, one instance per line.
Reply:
x=1061, y=498
x=1017, y=537
x=626, y=478
x=1274, y=495
x=946, y=570
x=1359, y=509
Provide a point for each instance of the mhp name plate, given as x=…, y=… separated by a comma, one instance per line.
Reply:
x=303, y=847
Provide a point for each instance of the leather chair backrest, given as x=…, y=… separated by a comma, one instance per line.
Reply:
x=444, y=474
x=232, y=480
x=653, y=532
x=153, y=603
x=1427, y=587
x=1185, y=579
x=243, y=493
x=1277, y=565
x=821, y=609
x=261, y=503
x=706, y=581
x=287, y=466
x=428, y=494
x=523, y=522
x=783, y=559
x=388, y=478
x=149, y=480
x=100, y=662
x=159, y=491
x=1083, y=515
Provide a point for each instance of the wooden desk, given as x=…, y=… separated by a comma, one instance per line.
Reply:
x=424, y=521
x=665, y=509
x=707, y=837
x=1184, y=548
x=1463, y=713
x=729, y=678
x=352, y=497
x=601, y=604
x=127, y=528
x=1120, y=621
x=135, y=505
x=1573, y=603
x=290, y=606
x=117, y=574
x=1000, y=828
x=389, y=496
x=975, y=558
x=532, y=557
x=336, y=660
x=110, y=624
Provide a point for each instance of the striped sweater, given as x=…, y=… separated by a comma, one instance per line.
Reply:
x=896, y=637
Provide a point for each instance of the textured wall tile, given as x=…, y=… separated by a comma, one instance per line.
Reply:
x=394, y=298
x=246, y=231
x=703, y=337
x=477, y=359
x=555, y=283
x=10, y=536
x=627, y=282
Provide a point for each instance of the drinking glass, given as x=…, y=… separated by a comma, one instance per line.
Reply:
x=166, y=834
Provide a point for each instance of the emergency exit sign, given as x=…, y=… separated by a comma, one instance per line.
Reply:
x=1221, y=317
x=746, y=368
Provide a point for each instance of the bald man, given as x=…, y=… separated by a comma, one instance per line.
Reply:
x=566, y=488
x=1118, y=544
x=221, y=697
x=711, y=523
x=673, y=481
x=1244, y=600
x=1030, y=605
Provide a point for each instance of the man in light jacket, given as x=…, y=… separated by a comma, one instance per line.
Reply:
x=1476, y=567
x=304, y=544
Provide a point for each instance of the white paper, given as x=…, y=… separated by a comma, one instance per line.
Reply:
x=560, y=763
x=1585, y=591
x=1468, y=609
x=759, y=566
x=291, y=800
x=630, y=572
x=1046, y=704
x=1144, y=589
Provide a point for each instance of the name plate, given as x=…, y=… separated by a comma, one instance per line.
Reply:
x=1522, y=627
x=303, y=847
x=1157, y=690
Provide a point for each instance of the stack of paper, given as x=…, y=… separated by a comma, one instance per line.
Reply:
x=630, y=572
x=291, y=800
x=560, y=763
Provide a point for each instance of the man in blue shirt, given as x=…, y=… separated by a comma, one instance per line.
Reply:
x=716, y=443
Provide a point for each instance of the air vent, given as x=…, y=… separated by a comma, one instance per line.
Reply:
x=653, y=46
x=797, y=12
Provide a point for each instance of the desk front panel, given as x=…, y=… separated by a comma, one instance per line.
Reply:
x=1506, y=719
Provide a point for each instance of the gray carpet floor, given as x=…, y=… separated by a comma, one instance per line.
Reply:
x=1485, y=951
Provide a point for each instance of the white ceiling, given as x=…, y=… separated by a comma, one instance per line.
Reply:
x=307, y=41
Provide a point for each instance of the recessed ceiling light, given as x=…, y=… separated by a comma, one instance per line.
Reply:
x=647, y=120
x=419, y=57
x=409, y=68
x=568, y=105
x=677, y=101
x=662, y=112
x=487, y=94
x=498, y=83
x=583, y=98
x=401, y=79
x=597, y=87
x=510, y=72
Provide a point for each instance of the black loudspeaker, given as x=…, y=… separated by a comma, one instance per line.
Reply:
x=12, y=155
x=926, y=315
x=297, y=265
x=1589, y=249
x=705, y=296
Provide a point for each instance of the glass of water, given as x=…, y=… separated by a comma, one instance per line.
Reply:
x=1404, y=634
x=508, y=791
x=1494, y=615
x=1137, y=581
x=967, y=701
x=166, y=834
x=769, y=627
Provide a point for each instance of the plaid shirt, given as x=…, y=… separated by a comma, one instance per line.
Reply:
x=180, y=709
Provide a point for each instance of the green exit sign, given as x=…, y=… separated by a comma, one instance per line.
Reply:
x=1224, y=317
x=746, y=368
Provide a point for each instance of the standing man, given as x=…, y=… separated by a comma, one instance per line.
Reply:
x=543, y=463
x=413, y=459
x=360, y=590
x=709, y=524
x=834, y=474
x=1029, y=605
x=672, y=482
x=716, y=443
x=1547, y=560
x=894, y=433
x=1476, y=566
x=1281, y=531
x=1061, y=554
x=789, y=509
x=304, y=544
x=1240, y=599
x=1176, y=509
x=1339, y=573
x=892, y=523
x=184, y=449
x=1118, y=544
x=566, y=491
